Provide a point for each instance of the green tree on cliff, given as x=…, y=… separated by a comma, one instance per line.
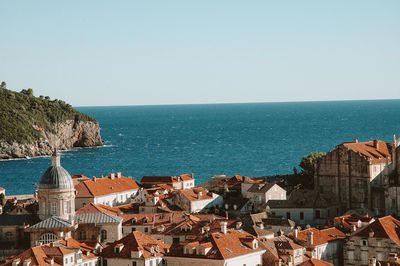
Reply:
x=3, y=85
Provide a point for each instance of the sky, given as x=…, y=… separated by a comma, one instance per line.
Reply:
x=98, y=53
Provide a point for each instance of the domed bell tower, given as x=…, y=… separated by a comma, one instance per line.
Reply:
x=56, y=192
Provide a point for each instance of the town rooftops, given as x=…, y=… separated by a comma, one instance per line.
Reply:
x=217, y=245
x=315, y=262
x=301, y=198
x=52, y=222
x=376, y=151
x=97, y=218
x=197, y=193
x=320, y=237
x=145, y=245
x=385, y=227
x=260, y=188
x=105, y=185
x=348, y=222
x=156, y=180
x=235, y=180
x=41, y=255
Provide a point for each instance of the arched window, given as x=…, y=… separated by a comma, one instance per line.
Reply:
x=47, y=238
x=103, y=235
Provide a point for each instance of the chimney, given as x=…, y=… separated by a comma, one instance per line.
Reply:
x=238, y=225
x=119, y=175
x=223, y=227
x=310, y=236
x=355, y=140
x=261, y=225
x=371, y=233
x=192, y=176
x=392, y=258
x=94, y=179
x=372, y=262
x=296, y=233
x=55, y=158
x=112, y=176
x=278, y=262
x=376, y=144
x=199, y=194
x=354, y=228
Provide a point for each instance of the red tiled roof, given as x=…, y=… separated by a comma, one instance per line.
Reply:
x=385, y=227
x=40, y=255
x=96, y=208
x=376, y=150
x=164, y=179
x=315, y=262
x=223, y=246
x=236, y=180
x=104, y=186
x=1, y=188
x=193, y=194
x=320, y=236
x=136, y=241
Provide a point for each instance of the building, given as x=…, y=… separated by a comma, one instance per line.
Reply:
x=227, y=247
x=260, y=193
x=194, y=200
x=177, y=182
x=283, y=250
x=112, y=190
x=325, y=244
x=56, y=196
x=377, y=240
x=50, y=254
x=279, y=225
x=305, y=207
x=354, y=174
x=135, y=249
x=254, y=224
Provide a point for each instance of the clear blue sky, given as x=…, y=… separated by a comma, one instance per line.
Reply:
x=178, y=52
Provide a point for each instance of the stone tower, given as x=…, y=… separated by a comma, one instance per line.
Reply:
x=56, y=192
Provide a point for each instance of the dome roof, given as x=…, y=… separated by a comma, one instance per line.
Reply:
x=56, y=177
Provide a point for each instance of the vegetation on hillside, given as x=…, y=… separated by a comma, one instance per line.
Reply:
x=22, y=114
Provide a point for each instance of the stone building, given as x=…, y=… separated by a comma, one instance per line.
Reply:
x=375, y=241
x=355, y=173
x=56, y=195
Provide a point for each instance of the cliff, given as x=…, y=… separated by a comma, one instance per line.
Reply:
x=33, y=126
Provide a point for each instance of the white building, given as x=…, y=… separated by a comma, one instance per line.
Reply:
x=196, y=199
x=112, y=190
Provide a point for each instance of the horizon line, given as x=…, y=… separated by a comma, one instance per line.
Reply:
x=284, y=101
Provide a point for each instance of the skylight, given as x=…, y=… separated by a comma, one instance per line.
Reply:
x=229, y=250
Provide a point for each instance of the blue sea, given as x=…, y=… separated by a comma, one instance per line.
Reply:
x=254, y=139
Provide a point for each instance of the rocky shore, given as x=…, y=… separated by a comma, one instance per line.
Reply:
x=67, y=135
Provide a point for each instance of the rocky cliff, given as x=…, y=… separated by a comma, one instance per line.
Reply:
x=33, y=126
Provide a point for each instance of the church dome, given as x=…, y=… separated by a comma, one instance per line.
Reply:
x=56, y=176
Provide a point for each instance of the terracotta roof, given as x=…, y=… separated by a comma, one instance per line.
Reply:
x=320, y=237
x=197, y=193
x=223, y=246
x=82, y=245
x=315, y=262
x=375, y=150
x=136, y=241
x=235, y=180
x=385, y=227
x=347, y=221
x=1, y=188
x=164, y=179
x=104, y=186
x=40, y=255
x=96, y=208
x=260, y=188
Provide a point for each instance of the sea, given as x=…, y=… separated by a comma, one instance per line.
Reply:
x=251, y=139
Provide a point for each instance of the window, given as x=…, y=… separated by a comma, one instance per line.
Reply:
x=66, y=260
x=317, y=214
x=47, y=238
x=133, y=229
x=329, y=213
x=53, y=208
x=364, y=242
x=66, y=207
x=350, y=255
x=288, y=215
x=301, y=215
x=134, y=263
x=103, y=235
x=82, y=235
x=364, y=256
x=146, y=229
x=104, y=262
x=72, y=259
x=175, y=240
